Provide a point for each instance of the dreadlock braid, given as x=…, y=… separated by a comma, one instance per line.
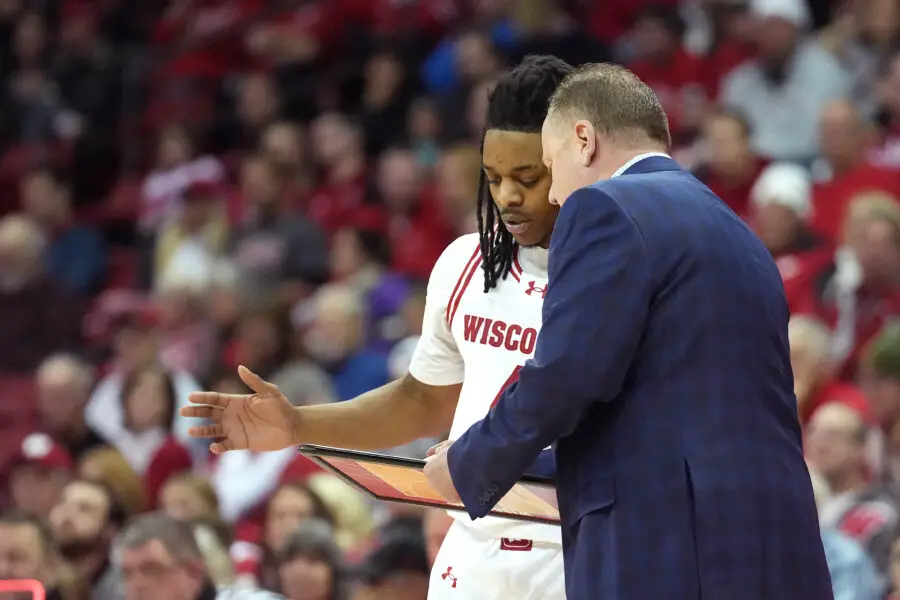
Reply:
x=518, y=102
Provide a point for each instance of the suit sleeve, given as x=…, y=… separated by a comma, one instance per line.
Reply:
x=598, y=298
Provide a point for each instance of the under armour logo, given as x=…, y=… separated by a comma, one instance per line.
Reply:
x=532, y=288
x=448, y=576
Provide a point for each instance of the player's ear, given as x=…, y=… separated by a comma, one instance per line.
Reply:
x=586, y=142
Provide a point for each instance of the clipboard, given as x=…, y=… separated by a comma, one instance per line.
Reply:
x=396, y=479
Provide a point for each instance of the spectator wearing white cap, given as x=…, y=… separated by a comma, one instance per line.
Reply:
x=780, y=206
x=782, y=92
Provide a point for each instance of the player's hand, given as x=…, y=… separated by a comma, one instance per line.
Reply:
x=262, y=421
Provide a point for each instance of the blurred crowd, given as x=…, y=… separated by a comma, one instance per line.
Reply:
x=191, y=185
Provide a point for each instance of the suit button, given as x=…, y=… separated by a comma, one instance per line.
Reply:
x=493, y=488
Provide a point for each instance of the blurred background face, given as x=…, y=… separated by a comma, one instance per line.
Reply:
x=62, y=396
x=877, y=249
x=182, y=502
x=332, y=138
x=282, y=143
x=775, y=39
x=841, y=134
x=145, y=406
x=333, y=334
x=879, y=19
x=400, y=180
x=22, y=554
x=259, y=183
x=150, y=572
x=288, y=508
x=347, y=254
x=30, y=39
x=36, y=489
x=727, y=144
x=653, y=40
x=884, y=396
x=79, y=521
x=174, y=148
x=136, y=347
x=258, y=341
x=256, y=100
x=306, y=578
x=41, y=198
x=777, y=226
x=832, y=443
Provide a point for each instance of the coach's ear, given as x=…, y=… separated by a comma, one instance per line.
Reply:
x=586, y=142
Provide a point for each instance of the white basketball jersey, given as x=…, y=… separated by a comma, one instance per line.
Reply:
x=481, y=340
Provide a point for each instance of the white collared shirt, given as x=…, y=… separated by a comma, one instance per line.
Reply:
x=636, y=160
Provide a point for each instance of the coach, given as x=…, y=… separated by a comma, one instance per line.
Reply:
x=662, y=372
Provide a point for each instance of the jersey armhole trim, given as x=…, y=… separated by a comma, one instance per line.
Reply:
x=465, y=277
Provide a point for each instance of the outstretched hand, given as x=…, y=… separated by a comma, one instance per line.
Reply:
x=262, y=421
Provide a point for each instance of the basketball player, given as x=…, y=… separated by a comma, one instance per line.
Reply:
x=482, y=317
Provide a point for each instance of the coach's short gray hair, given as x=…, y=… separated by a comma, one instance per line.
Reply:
x=615, y=101
x=178, y=538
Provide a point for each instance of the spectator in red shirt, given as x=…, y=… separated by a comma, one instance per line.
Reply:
x=416, y=228
x=148, y=396
x=728, y=165
x=844, y=144
x=860, y=290
x=207, y=35
x=284, y=144
x=780, y=207
x=337, y=145
x=814, y=383
x=662, y=63
x=296, y=35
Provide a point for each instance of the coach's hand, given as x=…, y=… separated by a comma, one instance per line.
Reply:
x=437, y=471
x=263, y=421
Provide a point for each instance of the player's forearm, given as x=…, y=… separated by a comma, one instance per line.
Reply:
x=394, y=414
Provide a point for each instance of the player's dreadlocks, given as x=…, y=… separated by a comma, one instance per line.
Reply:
x=518, y=102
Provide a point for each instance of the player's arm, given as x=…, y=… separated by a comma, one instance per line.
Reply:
x=394, y=414
x=423, y=402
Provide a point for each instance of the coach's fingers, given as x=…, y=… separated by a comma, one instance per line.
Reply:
x=437, y=447
x=212, y=398
x=207, y=431
x=201, y=412
x=221, y=446
x=257, y=383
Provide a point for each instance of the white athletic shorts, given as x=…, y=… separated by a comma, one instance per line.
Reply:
x=472, y=568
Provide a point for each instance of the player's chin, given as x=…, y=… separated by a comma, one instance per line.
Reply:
x=532, y=237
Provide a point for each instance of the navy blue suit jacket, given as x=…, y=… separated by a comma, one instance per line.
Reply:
x=662, y=372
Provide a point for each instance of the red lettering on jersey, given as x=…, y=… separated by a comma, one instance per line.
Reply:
x=471, y=327
x=513, y=335
x=513, y=377
x=499, y=334
x=516, y=545
x=534, y=289
x=485, y=331
x=529, y=337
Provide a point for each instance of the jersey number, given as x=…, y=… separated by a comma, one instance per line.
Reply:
x=509, y=381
